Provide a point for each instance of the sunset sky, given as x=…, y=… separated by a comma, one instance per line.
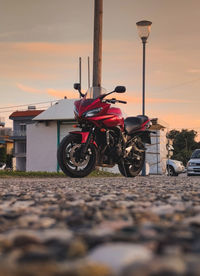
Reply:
x=41, y=40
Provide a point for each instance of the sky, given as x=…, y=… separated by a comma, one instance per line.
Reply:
x=41, y=41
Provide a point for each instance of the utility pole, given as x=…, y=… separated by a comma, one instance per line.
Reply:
x=97, y=47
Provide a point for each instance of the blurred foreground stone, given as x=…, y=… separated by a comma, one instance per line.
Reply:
x=100, y=226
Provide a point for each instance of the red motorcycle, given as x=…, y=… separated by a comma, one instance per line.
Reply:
x=105, y=139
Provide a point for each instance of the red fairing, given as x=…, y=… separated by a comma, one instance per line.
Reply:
x=84, y=136
x=143, y=126
x=116, y=119
x=107, y=117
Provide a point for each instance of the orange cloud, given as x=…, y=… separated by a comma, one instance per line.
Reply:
x=28, y=88
x=50, y=48
x=193, y=71
x=59, y=94
x=72, y=94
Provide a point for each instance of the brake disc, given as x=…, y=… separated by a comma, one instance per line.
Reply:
x=73, y=157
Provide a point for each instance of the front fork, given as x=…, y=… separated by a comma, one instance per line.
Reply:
x=88, y=141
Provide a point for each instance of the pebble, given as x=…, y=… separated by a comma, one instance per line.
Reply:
x=118, y=255
x=100, y=226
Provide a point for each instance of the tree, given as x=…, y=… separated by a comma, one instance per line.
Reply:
x=2, y=155
x=184, y=144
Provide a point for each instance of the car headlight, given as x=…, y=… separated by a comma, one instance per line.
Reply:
x=92, y=112
x=191, y=164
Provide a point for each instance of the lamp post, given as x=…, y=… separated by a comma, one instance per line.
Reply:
x=144, y=28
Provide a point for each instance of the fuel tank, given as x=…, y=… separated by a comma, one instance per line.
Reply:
x=114, y=118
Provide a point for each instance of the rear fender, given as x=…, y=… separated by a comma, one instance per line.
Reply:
x=146, y=136
x=84, y=136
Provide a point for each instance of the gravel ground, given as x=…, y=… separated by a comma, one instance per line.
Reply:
x=100, y=226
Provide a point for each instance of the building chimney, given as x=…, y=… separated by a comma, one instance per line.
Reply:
x=31, y=107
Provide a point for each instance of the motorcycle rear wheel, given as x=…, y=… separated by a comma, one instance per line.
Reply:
x=69, y=160
x=132, y=168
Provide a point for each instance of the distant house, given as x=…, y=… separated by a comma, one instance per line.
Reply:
x=20, y=121
x=57, y=121
x=5, y=139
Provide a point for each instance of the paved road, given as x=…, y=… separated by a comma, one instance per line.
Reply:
x=100, y=226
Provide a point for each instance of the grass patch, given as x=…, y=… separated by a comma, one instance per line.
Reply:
x=10, y=174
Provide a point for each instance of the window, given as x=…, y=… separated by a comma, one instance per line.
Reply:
x=22, y=129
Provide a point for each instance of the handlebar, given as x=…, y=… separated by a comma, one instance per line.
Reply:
x=124, y=102
x=113, y=101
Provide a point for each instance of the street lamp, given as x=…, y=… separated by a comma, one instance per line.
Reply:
x=144, y=28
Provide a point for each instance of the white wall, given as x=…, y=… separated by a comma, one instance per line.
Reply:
x=156, y=154
x=42, y=147
x=65, y=128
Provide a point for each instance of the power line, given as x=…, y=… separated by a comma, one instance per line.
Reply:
x=13, y=110
x=15, y=106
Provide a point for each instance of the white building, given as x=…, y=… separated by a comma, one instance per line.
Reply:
x=21, y=119
x=53, y=124
x=44, y=136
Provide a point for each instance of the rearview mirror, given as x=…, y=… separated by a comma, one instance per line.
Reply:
x=77, y=86
x=120, y=89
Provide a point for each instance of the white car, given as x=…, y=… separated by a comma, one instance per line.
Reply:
x=193, y=165
x=175, y=167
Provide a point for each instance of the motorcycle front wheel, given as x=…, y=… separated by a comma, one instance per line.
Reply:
x=70, y=160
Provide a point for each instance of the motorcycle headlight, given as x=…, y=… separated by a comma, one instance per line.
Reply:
x=92, y=112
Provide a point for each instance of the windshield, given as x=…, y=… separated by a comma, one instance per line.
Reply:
x=196, y=154
x=95, y=91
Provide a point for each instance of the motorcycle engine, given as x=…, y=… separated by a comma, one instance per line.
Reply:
x=114, y=149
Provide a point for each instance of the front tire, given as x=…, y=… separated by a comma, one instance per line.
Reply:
x=69, y=157
x=171, y=171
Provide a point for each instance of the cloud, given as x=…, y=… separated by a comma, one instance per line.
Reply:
x=41, y=61
x=56, y=93
x=49, y=48
x=193, y=71
x=28, y=89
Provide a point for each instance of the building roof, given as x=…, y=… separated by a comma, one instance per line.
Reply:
x=26, y=113
x=158, y=124
x=61, y=110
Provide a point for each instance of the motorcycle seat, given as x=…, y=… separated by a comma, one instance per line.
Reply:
x=132, y=124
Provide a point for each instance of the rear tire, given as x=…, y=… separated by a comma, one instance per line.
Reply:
x=132, y=167
x=68, y=156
